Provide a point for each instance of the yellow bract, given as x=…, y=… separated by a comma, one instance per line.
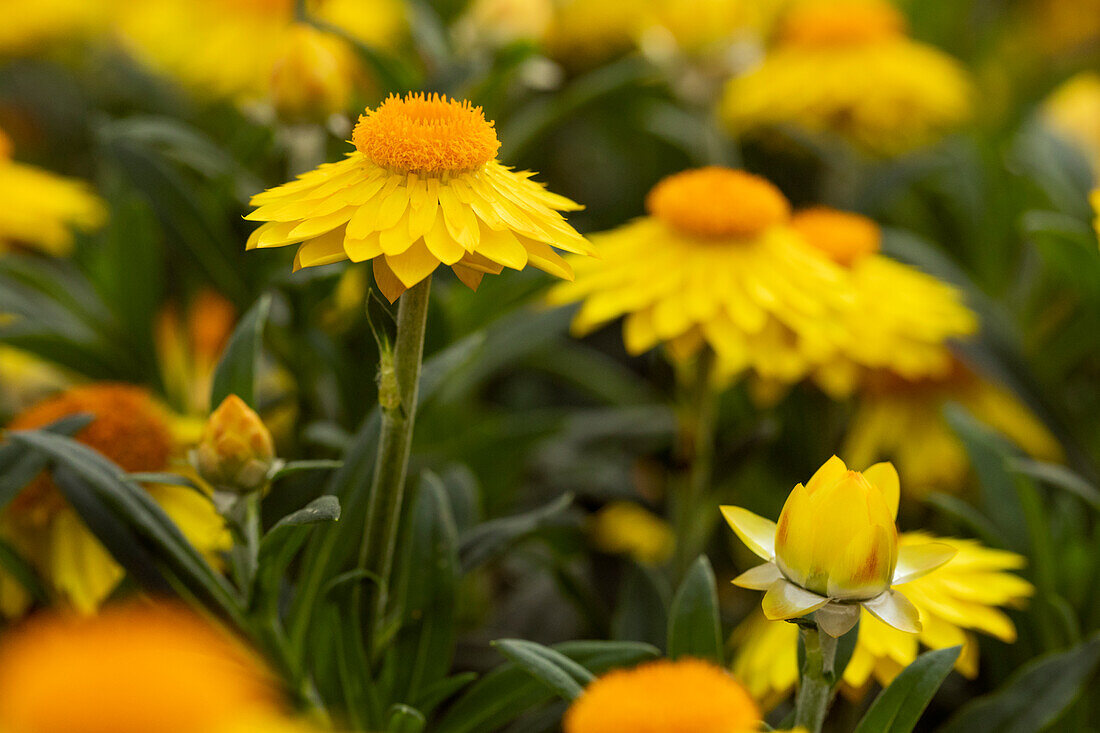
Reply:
x=836, y=535
x=236, y=451
x=425, y=207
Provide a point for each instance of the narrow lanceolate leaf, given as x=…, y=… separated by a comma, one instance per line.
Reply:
x=19, y=464
x=490, y=538
x=694, y=628
x=555, y=670
x=1035, y=697
x=898, y=708
x=236, y=372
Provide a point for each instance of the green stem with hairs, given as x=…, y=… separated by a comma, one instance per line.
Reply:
x=815, y=691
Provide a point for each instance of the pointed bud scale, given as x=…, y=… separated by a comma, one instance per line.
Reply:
x=236, y=451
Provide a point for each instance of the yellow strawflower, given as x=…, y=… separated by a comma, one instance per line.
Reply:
x=41, y=209
x=954, y=602
x=847, y=68
x=189, y=344
x=27, y=27
x=315, y=75
x=715, y=263
x=135, y=668
x=685, y=696
x=500, y=22
x=903, y=420
x=1072, y=112
x=422, y=189
x=584, y=33
x=236, y=451
x=902, y=319
x=835, y=550
x=132, y=430
x=626, y=528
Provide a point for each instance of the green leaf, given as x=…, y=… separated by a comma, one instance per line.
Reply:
x=1059, y=477
x=19, y=569
x=491, y=538
x=694, y=626
x=293, y=467
x=18, y=465
x=1033, y=698
x=508, y=691
x=432, y=695
x=898, y=708
x=282, y=542
x=236, y=372
x=641, y=612
x=555, y=670
x=404, y=719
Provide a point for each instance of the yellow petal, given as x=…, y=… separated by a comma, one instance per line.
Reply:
x=502, y=247
x=885, y=477
x=441, y=244
x=755, y=531
x=363, y=249
x=323, y=250
x=915, y=561
x=786, y=600
x=829, y=473
x=470, y=278
x=414, y=264
x=894, y=609
x=385, y=280
x=759, y=578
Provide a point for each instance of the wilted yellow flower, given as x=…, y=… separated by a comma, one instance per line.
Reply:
x=715, y=263
x=40, y=208
x=422, y=189
x=836, y=549
x=685, y=696
x=236, y=451
x=846, y=67
x=189, y=346
x=27, y=27
x=623, y=527
x=954, y=601
x=1072, y=111
x=134, y=668
x=903, y=420
x=133, y=431
x=902, y=319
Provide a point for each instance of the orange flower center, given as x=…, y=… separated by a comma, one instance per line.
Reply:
x=842, y=24
x=843, y=236
x=718, y=202
x=426, y=134
x=128, y=428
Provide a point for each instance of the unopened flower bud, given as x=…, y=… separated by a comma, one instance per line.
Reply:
x=236, y=452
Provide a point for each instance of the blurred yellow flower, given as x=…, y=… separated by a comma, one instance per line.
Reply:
x=626, y=528
x=685, y=696
x=26, y=379
x=500, y=22
x=41, y=209
x=902, y=319
x=1094, y=197
x=422, y=189
x=954, y=601
x=315, y=75
x=846, y=67
x=1062, y=27
x=715, y=263
x=189, y=345
x=903, y=420
x=1072, y=111
x=835, y=550
x=135, y=668
x=28, y=27
x=584, y=33
x=132, y=430
x=707, y=24
x=236, y=451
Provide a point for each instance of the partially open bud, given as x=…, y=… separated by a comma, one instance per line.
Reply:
x=836, y=535
x=236, y=452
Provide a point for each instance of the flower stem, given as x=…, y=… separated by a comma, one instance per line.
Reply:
x=815, y=691
x=697, y=426
x=390, y=467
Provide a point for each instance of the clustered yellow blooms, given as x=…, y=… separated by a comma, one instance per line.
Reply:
x=903, y=420
x=847, y=68
x=132, y=430
x=835, y=549
x=902, y=319
x=422, y=189
x=954, y=601
x=135, y=668
x=685, y=696
x=236, y=452
x=41, y=209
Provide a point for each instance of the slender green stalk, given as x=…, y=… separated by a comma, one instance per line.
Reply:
x=697, y=437
x=815, y=691
x=397, y=397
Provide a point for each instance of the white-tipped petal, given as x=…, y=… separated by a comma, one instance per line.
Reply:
x=786, y=600
x=837, y=619
x=757, y=533
x=759, y=578
x=894, y=609
x=917, y=560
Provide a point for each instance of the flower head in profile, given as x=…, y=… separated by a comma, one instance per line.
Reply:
x=134, y=668
x=903, y=319
x=903, y=420
x=716, y=264
x=847, y=68
x=835, y=549
x=42, y=209
x=684, y=696
x=131, y=429
x=422, y=189
x=956, y=602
